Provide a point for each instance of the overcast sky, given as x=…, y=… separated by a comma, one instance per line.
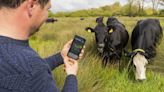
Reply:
x=72, y=5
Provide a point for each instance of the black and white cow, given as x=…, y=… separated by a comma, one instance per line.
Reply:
x=146, y=35
x=110, y=41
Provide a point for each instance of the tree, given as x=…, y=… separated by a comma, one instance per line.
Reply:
x=116, y=8
x=140, y=4
x=125, y=10
x=162, y=2
x=155, y=4
x=130, y=3
x=50, y=14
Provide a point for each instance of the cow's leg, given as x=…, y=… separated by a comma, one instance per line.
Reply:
x=103, y=62
x=118, y=63
x=106, y=61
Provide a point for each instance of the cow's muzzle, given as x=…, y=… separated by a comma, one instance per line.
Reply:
x=101, y=47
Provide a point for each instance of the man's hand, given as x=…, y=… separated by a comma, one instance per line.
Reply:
x=71, y=65
x=65, y=49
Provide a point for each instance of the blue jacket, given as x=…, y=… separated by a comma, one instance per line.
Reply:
x=23, y=70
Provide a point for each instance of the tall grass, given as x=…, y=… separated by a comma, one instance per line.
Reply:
x=91, y=76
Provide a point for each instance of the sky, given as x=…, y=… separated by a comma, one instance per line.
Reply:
x=73, y=5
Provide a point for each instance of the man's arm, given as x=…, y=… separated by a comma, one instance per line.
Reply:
x=54, y=60
x=71, y=84
x=71, y=68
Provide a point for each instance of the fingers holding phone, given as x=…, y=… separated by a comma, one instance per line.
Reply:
x=66, y=49
x=82, y=53
x=71, y=66
x=76, y=50
x=73, y=51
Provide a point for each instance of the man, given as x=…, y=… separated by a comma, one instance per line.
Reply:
x=21, y=68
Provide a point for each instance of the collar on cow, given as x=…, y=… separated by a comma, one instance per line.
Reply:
x=139, y=50
x=132, y=56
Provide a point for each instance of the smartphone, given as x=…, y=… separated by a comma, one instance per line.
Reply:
x=76, y=47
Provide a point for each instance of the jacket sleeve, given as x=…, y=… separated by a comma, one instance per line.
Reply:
x=54, y=60
x=5, y=90
x=71, y=84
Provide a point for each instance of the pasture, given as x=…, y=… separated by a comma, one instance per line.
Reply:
x=91, y=76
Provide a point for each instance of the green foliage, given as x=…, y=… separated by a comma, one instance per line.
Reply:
x=162, y=13
x=110, y=10
x=149, y=12
x=92, y=77
x=162, y=2
x=131, y=12
x=50, y=14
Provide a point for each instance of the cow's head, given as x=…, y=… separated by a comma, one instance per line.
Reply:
x=111, y=21
x=100, y=33
x=140, y=63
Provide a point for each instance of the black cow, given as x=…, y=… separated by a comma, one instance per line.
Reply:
x=51, y=20
x=100, y=32
x=109, y=43
x=116, y=40
x=145, y=37
x=81, y=18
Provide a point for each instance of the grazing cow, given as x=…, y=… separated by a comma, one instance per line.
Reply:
x=145, y=37
x=81, y=18
x=110, y=41
x=51, y=20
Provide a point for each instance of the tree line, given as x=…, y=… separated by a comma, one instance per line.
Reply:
x=132, y=8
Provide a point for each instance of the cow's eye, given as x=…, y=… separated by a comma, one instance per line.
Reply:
x=134, y=66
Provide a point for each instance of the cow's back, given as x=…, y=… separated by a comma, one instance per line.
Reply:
x=122, y=35
x=146, y=34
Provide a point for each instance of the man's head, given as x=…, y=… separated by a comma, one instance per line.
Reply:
x=26, y=14
x=17, y=3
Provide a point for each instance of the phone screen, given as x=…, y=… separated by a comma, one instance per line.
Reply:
x=76, y=47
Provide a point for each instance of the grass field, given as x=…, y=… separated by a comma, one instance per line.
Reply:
x=91, y=77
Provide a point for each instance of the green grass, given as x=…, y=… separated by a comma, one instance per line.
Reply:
x=91, y=76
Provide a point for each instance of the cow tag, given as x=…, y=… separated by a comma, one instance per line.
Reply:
x=89, y=30
x=110, y=31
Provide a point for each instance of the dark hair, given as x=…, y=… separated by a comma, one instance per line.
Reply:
x=17, y=3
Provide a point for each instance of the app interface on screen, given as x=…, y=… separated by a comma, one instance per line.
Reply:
x=77, y=46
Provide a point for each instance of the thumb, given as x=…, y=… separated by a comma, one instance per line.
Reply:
x=68, y=44
x=66, y=62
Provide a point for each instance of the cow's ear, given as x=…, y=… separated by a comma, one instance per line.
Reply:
x=139, y=21
x=158, y=22
x=110, y=31
x=88, y=29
